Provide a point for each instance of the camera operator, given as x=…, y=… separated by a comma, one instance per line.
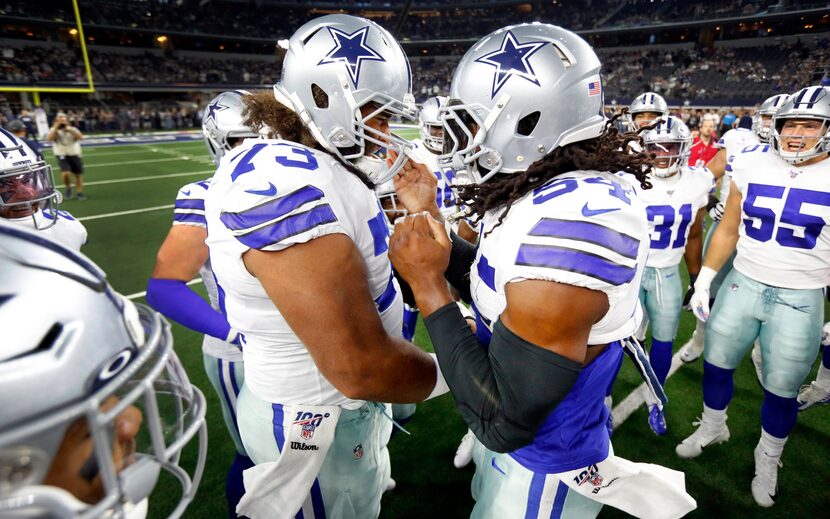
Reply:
x=67, y=149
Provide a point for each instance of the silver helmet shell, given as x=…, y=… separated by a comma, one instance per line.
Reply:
x=362, y=73
x=77, y=359
x=429, y=123
x=518, y=94
x=671, y=139
x=222, y=121
x=808, y=103
x=768, y=108
x=647, y=102
x=26, y=182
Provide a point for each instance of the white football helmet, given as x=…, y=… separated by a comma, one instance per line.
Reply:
x=808, y=103
x=392, y=208
x=671, y=141
x=648, y=102
x=362, y=73
x=429, y=123
x=222, y=121
x=26, y=183
x=768, y=108
x=94, y=403
x=518, y=94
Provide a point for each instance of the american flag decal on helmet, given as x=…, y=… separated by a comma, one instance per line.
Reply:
x=593, y=88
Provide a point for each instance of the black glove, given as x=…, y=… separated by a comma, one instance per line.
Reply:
x=689, y=292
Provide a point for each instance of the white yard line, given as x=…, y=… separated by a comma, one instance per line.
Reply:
x=121, y=213
x=143, y=161
x=142, y=294
x=150, y=177
x=626, y=408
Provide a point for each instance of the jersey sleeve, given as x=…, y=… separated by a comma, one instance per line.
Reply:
x=270, y=213
x=598, y=252
x=189, y=208
x=705, y=185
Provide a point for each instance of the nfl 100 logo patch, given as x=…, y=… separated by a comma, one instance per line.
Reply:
x=309, y=422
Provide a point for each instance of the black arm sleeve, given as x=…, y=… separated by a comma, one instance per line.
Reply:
x=505, y=391
x=462, y=256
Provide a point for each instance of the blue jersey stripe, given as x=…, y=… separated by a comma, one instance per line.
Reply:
x=534, y=495
x=194, y=218
x=589, y=232
x=572, y=260
x=287, y=227
x=190, y=203
x=277, y=420
x=386, y=299
x=729, y=167
x=559, y=501
x=486, y=273
x=270, y=210
x=317, y=503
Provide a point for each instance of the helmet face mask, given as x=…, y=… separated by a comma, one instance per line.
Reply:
x=118, y=407
x=26, y=184
x=801, y=127
x=762, y=120
x=545, y=93
x=223, y=123
x=670, y=141
x=429, y=124
x=361, y=72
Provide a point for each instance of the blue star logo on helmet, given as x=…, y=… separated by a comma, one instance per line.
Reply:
x=512, y=60
x=351, y=50
x=213, y=108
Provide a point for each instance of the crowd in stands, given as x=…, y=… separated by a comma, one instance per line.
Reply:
x=124, y=119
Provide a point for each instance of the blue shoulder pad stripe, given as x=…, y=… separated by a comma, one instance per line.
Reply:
x=271, y=209
x=572, y=260
x=588, y=232
x=190, y=218
x=187, y=203
x=287, y=227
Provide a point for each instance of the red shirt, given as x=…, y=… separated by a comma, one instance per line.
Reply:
x=701, y=153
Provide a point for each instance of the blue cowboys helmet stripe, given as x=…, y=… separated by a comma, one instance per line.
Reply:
x=352, y=50
x=512, y=59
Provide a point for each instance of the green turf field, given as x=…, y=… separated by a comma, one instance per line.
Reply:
x=142, y=180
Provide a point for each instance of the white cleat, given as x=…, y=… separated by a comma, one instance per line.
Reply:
x=813, y=394
x=692, y=350
x=765, y=482
x=706, y=434
x=758, y=362
x=464, y=453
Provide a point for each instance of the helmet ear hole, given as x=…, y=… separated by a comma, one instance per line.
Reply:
x=528, y=123
x=321, y=98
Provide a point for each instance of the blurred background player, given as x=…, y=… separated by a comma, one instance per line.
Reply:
x=18, y=129
x=75, y=380
x=776, y=284
x=67, y=149
x=675, y=205
x=555, y=282
x=28, y=196
x=818, y=391
x=182, y=256
x=297, y=238
x=645, y=109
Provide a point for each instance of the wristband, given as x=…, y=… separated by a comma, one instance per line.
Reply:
x=441, y=386
x=705, y=278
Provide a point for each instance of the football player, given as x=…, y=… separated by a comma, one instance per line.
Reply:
x=775, y=219
x=298, y=244
x=554, y=279
x=182, y=256
x=818, y=391
x=645, y=109
x=730, y=143
x=675, y=205
x=28, y=196
x=87, y=380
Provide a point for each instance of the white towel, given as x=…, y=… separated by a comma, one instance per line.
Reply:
x=277, y=490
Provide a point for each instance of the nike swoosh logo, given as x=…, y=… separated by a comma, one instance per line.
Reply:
x=593, y=212
x=493, y=463
x=186, y=193
x=271, y=191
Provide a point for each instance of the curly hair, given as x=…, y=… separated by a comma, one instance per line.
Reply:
x=608, y=152
x=264, y=112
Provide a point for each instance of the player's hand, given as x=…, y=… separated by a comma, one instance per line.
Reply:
x=420, y=251
x=415, y=186
x=700, y=304
x=689, y=292
x=716, y=212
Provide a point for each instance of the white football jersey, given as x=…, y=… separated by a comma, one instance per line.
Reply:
x=67, y=231
x=444, y=197
x=190, y=210
x=733, y=141
x=583, y=228
x=671, y=206
x=270, y=195
x=784, y=240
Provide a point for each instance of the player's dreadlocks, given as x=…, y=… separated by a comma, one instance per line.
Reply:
x=608, y=152
x=264, y=112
